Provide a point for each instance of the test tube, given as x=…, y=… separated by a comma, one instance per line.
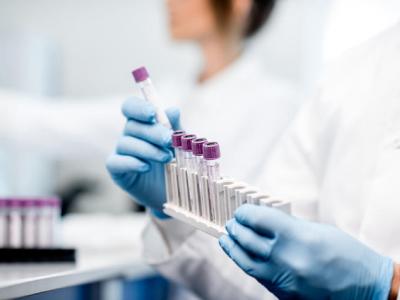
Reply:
x=149, y=92
x=189, y=165
x=3, y=223
x=187, y=151
x=44, y=221
x=177, y=145
x=29, y=218
x=14, y=223
x=54, y=204
x=197, y=149
x=211, y=155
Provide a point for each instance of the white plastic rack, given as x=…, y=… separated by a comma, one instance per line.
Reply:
x=206, y=204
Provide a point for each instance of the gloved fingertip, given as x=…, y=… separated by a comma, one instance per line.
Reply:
x=173, y=114
x=242, y=211
x=167, y=139
x=167, y=157
x=223, y=242
x=144, y=168
x=229, y=225
x=160, y=214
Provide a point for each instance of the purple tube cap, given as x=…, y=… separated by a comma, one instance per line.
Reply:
x=197, y=146
x=54, y=201
x=211, y=151
x=187, y=142
x=3, y=202
x=28, y=203
x=177, y=138
x=15, y=202
x=140, y=74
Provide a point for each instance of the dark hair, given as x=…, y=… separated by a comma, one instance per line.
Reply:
x=259, y=14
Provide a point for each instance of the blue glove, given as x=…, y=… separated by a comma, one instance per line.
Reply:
x=304, y=260
x=137, y=165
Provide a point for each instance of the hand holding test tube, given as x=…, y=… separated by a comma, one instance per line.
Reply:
x=149, y=92
x=137, y=165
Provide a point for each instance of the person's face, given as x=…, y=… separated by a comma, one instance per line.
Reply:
x=191, y=19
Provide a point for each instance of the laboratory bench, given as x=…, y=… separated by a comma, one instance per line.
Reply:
x=103, y=261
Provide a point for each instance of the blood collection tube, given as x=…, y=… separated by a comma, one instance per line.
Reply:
x=149, y=92
x=211, y=155
x=3, y=223
x=14, y=223
x=177, y=145
x=55, y=207
x=197, y=150
x=187, y=151
x=44, y=221
x=29, y=223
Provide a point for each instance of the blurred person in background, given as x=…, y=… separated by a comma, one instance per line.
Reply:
x=231, y=100
x=71, y=129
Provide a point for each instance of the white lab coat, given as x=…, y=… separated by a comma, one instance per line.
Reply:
x=246, y=111
x=339, y=163
x=61, y=128
x=77, y=133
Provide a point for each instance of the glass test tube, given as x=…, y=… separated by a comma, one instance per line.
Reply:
x=149, y=92
x=14, y=223
x=29, y=223
x=197, y=150
x=44, y=221
x=177, y=145
x=211, y=155
x=187, y=151
x=3, y=223
x=55, y=234
x=188, y=163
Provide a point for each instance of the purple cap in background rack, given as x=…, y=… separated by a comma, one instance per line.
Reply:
x=197, y=146
x=3, y=203
x=211, y=151
x=140, y=74
x=53, y=201
x=14, y=202
x=28, y=203
x=177, y=138
x=187, y=142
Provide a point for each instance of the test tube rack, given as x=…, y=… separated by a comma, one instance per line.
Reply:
x=208, y=204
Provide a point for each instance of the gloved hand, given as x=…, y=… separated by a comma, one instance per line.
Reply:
x=140, y=155
x=304, y=260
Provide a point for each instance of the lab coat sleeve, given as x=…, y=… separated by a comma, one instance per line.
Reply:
x=59, y=127
x=195, y=260
x=293, y=171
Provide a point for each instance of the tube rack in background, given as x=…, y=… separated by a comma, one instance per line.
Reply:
x=209, y=204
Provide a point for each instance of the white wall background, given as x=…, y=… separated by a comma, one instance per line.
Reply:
x=95, y=44
x=101, y=41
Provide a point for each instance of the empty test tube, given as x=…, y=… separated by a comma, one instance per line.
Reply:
x=29, y=217
x=3, y=223
x=197, y=149
x=177, y=145
x=14, y=223
x=190, y=169
x=142, y=78
x=187, y=151
x=211, y=155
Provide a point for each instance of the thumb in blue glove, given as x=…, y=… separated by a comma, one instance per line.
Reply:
x=138, y=161
x=298, y=259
